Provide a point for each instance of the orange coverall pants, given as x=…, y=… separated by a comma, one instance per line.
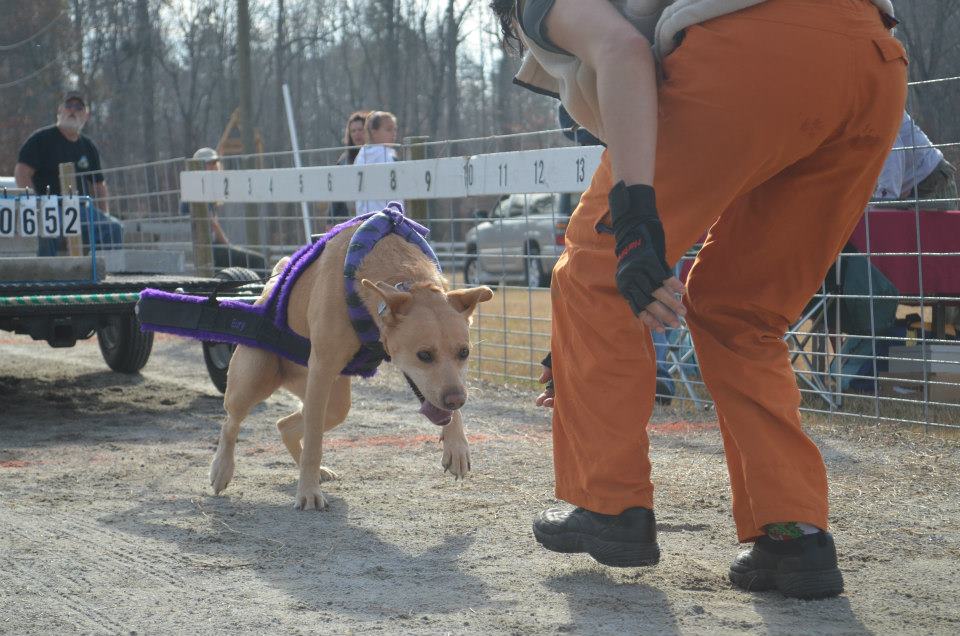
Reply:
x=774, y=125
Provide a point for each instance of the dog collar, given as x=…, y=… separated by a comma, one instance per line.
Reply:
x=375, y=226
x=382, y=306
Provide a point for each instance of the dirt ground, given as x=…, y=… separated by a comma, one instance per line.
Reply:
x=108, y=525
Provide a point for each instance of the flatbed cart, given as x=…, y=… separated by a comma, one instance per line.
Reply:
x=65, y=298
x=62, y=312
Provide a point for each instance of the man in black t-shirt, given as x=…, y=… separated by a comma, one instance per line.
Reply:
x=38, y=168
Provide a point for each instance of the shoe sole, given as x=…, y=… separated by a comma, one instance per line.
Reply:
x=803, y=585
x=615, y=554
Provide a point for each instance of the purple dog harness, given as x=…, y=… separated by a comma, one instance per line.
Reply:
x=265, y=326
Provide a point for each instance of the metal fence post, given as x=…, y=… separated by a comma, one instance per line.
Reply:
x=200, y=230
x=68, y=185
x=415, y=148
x=254, y=222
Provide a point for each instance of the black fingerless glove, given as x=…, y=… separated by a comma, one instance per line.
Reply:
x=642, y=264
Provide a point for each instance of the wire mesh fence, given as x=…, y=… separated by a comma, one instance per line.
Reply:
x=878, y=340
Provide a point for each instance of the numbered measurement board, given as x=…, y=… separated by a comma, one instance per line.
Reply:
x=526, y=171
x=45, y=217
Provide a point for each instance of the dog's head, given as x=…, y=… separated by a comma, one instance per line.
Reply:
x=426, y=332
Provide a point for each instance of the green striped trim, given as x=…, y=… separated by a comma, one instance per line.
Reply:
x=88, y=299
x=68, y=299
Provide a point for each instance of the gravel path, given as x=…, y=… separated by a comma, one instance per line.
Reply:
x=108, y=525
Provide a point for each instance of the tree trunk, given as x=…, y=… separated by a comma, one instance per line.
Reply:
x=245, y=82
x=147, y=86
x=279, y=70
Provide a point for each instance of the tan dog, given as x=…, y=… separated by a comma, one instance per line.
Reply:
x=425, y=331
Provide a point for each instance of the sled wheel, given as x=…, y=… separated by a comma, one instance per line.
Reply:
x=124, y=347
x=216, y=355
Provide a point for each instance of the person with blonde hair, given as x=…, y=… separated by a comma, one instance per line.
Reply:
x=381, y=128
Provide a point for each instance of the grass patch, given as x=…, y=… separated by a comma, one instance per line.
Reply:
x=511, y=335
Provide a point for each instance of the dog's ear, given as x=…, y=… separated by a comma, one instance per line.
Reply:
x=394, y=303
x=465, y=300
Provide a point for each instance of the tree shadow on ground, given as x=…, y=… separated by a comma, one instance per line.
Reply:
x=323, y=561
x=92, y=408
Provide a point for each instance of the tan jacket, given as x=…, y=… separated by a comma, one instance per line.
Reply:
x=575, y=84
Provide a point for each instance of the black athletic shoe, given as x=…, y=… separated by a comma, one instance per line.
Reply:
x=626, y=540
x=798, y=568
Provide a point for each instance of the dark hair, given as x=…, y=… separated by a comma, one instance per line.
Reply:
x=351, y=152
x=506, y=12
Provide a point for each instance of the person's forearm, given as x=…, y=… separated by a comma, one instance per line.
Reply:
x=627, y=91
x=219, y=236
x=23, y=175
x=625, y=70
x=101, y=193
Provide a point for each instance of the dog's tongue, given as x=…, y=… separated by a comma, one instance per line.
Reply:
x=436, y=415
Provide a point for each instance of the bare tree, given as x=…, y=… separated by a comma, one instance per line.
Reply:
x=928, y=29
x=147, y=82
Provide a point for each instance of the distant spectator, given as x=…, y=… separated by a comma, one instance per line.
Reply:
x=225, y=253
x=916, y=169
x=354, y=136
x=38, y=167
x=381, y=130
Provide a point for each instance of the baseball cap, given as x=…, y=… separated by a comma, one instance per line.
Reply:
x=73, y=95
x=206, y=154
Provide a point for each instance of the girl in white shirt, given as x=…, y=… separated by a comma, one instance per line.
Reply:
x=381, y=135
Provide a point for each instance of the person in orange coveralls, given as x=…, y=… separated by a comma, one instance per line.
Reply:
x=764, y=123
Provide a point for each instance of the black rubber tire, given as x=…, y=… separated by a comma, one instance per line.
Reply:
x=124, y=347
x=539, y=277
x=216, y=355
x=239, y=274
x=469, y=265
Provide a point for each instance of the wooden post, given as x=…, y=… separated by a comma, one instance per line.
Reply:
x=414, y=149
x=251, y=211
x=200, y=230
x=68, y=187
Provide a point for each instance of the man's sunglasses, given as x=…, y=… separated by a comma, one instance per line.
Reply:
x=74, y=105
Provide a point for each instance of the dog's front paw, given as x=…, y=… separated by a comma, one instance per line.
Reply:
x=221, y=470
x=310, y=498
x=456, y=458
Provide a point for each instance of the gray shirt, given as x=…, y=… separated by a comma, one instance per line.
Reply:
x=911, y=161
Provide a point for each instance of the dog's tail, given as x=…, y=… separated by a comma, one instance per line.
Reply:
x=280, y=265
x=272, y=281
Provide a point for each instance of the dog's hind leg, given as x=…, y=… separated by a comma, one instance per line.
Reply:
x=456, y=451
x=291, y=426
x=253, y=377
x=291, y=432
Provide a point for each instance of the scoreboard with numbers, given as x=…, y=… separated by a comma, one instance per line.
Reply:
x=525, y=171
x=46, y=216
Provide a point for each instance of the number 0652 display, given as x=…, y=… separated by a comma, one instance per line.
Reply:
x=46, y=217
